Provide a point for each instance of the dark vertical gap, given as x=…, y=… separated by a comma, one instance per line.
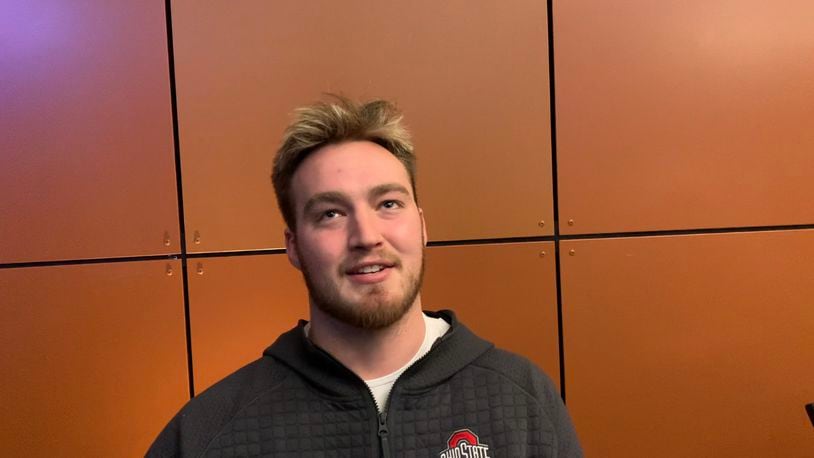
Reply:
x=180, y=195
x=553, y=117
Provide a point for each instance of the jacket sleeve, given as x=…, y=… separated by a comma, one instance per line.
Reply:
x=192, y=430
x=540, y=387
x=567, y=445
x=167, y=444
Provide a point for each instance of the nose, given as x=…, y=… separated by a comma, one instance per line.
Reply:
x=364, y=231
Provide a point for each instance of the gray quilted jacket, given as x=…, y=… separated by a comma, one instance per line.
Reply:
x=464, y=399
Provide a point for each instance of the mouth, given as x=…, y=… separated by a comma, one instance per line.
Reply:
x=369, y=268
x=371, y=272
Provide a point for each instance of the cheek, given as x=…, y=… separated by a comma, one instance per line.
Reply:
x=409, y=237
x=320, y=251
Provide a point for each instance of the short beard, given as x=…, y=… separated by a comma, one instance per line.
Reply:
x=363, y=316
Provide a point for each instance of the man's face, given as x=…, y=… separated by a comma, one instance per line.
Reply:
x=360, y=236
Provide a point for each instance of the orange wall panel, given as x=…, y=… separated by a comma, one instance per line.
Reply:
x=684, y=114
x=86, y=154
x=505, y=293
x=472, y=80
x=93, y=358
x=691, y=345
x=238, y=307
x=675, y=115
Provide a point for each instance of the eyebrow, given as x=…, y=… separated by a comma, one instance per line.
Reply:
x=339, y=198
x=386, y=188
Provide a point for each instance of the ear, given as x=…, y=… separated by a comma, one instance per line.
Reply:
x=423, y=226
x=291, y=249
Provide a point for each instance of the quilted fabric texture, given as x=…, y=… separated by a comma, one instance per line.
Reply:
x=294, y=421
x=503, y=416
x=463, y=399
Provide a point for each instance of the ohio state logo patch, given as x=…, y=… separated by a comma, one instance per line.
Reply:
x=465, y=444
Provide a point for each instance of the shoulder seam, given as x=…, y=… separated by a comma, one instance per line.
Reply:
x=507, y=378
x=243, y=407
x=538, y=402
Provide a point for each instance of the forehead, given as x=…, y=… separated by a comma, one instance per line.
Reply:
x=350, y=167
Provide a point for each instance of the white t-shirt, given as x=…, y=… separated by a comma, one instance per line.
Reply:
x=380, y=387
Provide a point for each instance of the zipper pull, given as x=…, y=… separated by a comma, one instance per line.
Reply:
x=383, y=433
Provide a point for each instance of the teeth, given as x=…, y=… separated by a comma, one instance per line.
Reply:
x=370, y=269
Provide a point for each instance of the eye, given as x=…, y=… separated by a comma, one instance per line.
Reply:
x=391, y=204
x=327, y=215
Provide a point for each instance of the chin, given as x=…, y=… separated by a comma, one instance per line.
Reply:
x=371, y=314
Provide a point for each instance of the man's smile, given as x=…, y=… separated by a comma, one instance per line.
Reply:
x=370, y=271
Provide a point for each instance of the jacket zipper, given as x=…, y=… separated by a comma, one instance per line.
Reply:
x=383, y=432
x=383, y=435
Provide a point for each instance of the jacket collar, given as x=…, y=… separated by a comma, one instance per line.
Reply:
x=451, y=353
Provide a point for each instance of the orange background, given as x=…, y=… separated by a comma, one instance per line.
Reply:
x=653, y=252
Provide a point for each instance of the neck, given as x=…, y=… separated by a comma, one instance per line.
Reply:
x=369, y=353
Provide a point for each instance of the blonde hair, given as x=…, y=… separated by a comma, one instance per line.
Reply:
x=325, y=123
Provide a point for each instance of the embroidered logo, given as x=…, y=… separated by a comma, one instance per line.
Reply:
x=465, y=444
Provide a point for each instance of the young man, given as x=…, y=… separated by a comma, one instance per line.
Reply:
x=370, y=374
